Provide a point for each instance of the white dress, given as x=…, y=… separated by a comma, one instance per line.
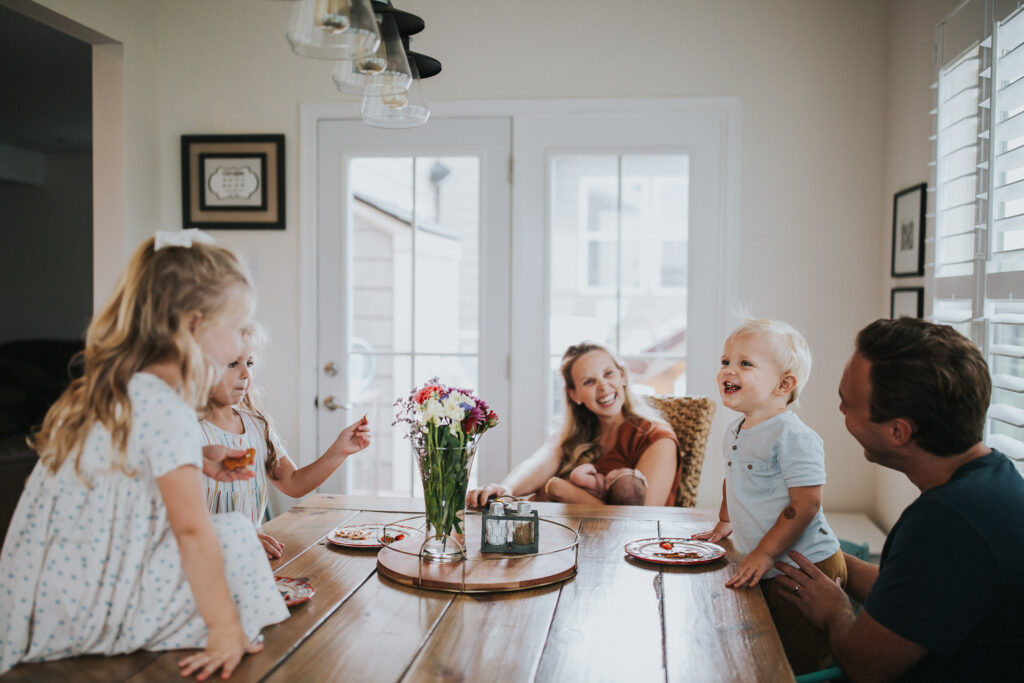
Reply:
x=96, y=569
x=248, y=497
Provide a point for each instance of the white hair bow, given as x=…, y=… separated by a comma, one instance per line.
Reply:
x=180, y=238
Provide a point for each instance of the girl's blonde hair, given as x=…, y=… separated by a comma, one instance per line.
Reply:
x=255, y=340
x=788, y=348
x=147, y=320
x=580, y=440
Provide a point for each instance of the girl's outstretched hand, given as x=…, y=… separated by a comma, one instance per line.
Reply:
x=225, y=647
x=355, y=437
x=213, y=464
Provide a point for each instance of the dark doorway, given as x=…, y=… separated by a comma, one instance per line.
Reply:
x=46, y=230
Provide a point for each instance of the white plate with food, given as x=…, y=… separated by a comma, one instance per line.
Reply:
x=674, y=550
x=369, y=535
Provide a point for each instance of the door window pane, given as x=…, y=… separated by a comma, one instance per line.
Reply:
x=619, y=268
x=414, y=254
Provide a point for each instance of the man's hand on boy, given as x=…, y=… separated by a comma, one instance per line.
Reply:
x=753, y=567
x=818, y=597
x=213, y=464
x=721, y=530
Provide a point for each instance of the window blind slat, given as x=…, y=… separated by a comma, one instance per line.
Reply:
x=1007, y=445
x=1008, y=161
x=1008, y=350
x=1009, y=383
x=1006, y=414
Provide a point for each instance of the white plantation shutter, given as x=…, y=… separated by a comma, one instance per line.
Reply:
x=1004, y=268
x=977, y=278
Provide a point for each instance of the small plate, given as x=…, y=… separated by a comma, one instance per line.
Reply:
x=369, y=535
x=294, y=591
x=682, y=551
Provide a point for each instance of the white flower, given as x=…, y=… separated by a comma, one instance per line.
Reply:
x=432, y=411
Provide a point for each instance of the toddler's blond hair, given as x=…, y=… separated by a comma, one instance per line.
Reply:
x=788, y=347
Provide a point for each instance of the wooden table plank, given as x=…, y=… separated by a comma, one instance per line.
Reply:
x=374, y=636
x=335, y=573
x=301, y=529
x=713, y=632
x=87, y=669
x=415, y=506
x=609, y=607
x=496, y=636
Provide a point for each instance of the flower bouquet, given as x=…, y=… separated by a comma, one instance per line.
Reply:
x=444, y=425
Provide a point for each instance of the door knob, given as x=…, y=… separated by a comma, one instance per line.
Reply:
x=331, y=369
x=331, y=404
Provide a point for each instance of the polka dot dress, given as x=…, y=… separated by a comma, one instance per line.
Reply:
x=92, y=567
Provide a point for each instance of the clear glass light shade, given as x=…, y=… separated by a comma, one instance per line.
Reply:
x=385, y=107
x=392, y=78
x=333, y=29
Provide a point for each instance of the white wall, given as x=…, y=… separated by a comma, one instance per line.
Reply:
x=811, y=76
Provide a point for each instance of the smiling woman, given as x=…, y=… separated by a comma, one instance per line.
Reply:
x=606, y=427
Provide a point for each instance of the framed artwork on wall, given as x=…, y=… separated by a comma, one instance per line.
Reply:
x=232, y=182
x=906, y=302
x=908, y=208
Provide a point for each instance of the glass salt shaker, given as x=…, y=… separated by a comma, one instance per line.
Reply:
x=496, y=528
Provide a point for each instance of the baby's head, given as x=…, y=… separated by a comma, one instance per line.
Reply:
x=626, y=487
x=783, y=354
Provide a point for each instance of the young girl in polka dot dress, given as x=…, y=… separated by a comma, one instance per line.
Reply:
x=233, y=419
x=111, y=548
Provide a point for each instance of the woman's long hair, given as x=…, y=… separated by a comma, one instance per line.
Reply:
x=255, y=340
x=145, y=321
x=580, y=441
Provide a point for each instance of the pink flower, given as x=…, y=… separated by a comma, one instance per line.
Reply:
x=426, y=392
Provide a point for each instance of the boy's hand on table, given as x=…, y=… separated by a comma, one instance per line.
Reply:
x=213, y=464
x=751, y=569
x=721, y=530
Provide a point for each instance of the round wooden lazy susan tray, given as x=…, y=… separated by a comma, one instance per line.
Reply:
x=483, y=573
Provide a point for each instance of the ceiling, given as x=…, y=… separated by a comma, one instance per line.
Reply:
x=46, y=81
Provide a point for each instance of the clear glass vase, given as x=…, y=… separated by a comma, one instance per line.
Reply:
x=444, y=471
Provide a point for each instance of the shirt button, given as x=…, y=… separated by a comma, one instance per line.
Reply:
x=750, y=467
x=734, y=447
x=729, y=463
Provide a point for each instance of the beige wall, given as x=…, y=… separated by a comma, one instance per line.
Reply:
x=910, y=35
x=816, y=176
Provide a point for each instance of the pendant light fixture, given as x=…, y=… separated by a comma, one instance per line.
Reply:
x=333, y=29
x=374, y=60
x=384, y=109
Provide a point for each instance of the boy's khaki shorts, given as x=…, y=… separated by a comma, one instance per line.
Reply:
x=806, y=646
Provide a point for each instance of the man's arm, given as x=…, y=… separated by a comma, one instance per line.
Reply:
x=867, y=651
x=864, y=649
x=860, y=577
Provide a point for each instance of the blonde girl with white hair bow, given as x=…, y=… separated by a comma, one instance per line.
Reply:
x=111, y=548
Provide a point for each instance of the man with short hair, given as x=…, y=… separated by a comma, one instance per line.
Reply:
x=947, y=601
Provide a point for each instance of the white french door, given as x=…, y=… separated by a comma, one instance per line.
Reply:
x=413, y=241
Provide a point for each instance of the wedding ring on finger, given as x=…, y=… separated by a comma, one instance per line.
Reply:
x=796, y=588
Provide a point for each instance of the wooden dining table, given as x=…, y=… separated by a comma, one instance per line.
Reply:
x=616, y=619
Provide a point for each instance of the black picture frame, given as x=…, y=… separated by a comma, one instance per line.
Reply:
x=906, y=302
x=908, y=231
x=233, y=182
